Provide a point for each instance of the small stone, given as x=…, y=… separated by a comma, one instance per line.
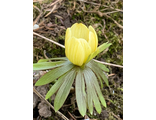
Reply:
x=35, y=26
x=35, y=100
x=103, y=115
x=44, y=109
x=44, y=112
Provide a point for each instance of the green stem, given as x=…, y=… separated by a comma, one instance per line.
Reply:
x=83, y=66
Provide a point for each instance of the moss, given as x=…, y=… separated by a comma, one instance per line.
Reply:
x=111, y=118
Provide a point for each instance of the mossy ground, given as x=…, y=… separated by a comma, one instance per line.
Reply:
x=54, y=26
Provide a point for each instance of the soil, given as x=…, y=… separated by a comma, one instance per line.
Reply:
x=53, y=26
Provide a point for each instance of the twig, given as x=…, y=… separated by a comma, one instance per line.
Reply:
x=40, y=1
x=58, y=17
x=115, y=21
x=104, y=9
x=51, y=10
x=71, y=115
x=101, y=5
x=115, y=2
x=48, y=27
x=49, y=40
x=37, y=8
x=113, y=8
x=41, y=31
x=111, y=74
x=109, y=64
x=74, y=5
x=44, y=52
x=103, y=14
x=64, y=47
x=111, y=12
x=103, y=30
x=38, y=17
x=41, y=23
x=116, y=116
x=55, y=2
x=89, y=2
x=39, y=95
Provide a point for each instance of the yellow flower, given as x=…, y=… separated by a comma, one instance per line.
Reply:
x=80, y=42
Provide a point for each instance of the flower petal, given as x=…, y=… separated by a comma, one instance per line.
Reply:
x=77, y=50
x=79, y=30
x=86, y=47
x=73, y=51
x=94, y=32
x=68, y=35
x=92, y=41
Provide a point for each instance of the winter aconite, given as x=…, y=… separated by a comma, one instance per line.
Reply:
x=81, y=46
x=80, y=42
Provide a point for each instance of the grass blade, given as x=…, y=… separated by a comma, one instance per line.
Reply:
x=64, y=89
x=95, y=68
x=99, y=78
x=104, y=78
x=98, y=50
x=56, y=86
x=47, y=65
x=104, y=46
x=89, y=76
x=97, y=88
x=89, y=93
x=54, y=74
x=59, y=58
x=102, y=66
x=80, y=93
